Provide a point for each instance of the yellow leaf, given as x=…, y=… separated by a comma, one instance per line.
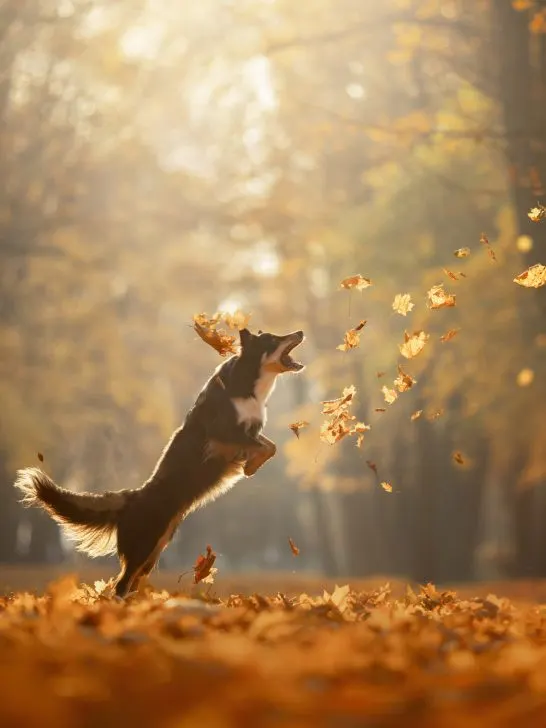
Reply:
x=533, y=277
x=402, y=303
x=414, y=344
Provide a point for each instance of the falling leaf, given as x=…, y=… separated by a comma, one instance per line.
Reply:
x=484, y=240
x=458, y=457
x=449, y=335
x=40, y=457
x=372, y=465
x=450, y=274
x=414, y=344
x=352, y=338
x=402, y=303
x=386, y=486
x=533, y=277
x=416, y=415
x=359, y=429
x=536, y=214
x=380, y=374
x=462, y=253
x=203, y=566
x=525, y=377
x=218, y=339
x=295, y=550
x=297, y=426
x=436, y=414
x=358, y=282
x=404, y=381
x=520, y=5
x=333, y=405
x=337, y=427
x=236, y=320
x=380, y=409
x=438, y=298
x=390, y=395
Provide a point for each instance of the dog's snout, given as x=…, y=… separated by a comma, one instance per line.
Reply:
x=298, y=335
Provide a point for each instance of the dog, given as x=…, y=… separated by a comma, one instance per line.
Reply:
x=220, y=442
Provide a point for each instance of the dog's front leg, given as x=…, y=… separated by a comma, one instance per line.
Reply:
x=259, y=454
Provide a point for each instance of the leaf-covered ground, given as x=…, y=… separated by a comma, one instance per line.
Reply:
x=428, y=658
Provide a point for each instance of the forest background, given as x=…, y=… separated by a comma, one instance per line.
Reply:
x=160, y=160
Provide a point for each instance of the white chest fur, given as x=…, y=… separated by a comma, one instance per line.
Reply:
x=253, y=409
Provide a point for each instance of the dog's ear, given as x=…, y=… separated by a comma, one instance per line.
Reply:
x=245, y=336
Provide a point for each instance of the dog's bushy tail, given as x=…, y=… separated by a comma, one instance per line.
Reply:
x=88, y=519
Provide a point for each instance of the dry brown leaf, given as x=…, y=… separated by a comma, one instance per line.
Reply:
x=236, y=320
x=449, y=335
x=402, y=303
x=538, y=213
x=438, y=298
x=333, y=405
x=372, y=465
x=359, y=429
x=297, y=426
x=386, y=486
x=202, y=569
x=458, y=457
x=358, y=282
x=414, y=344
x=533, y=277
x=338, y=426
x=462, y=253
x=295, y=550
x=452, y=275
x=40, y=457
x=352, y=338
x=380, y=374
x=484, y=240
x=404, y=381
x=390, y=395
x=436, y=414
x=416, y=415
x=380, y=409
x=221, y=342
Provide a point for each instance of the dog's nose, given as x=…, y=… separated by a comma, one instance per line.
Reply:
x=299, y=334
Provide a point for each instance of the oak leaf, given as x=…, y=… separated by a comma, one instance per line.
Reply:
x=297, y=426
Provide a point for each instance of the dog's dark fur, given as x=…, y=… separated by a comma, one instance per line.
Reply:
x=219, y=442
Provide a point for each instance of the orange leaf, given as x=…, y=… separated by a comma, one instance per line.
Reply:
x=358, y=282
x=295, y=550
x=297, y=426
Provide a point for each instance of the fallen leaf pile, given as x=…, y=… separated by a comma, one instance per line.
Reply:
x=425, y=660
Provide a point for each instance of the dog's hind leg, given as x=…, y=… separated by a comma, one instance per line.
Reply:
x=128, y=576
x=258, y=455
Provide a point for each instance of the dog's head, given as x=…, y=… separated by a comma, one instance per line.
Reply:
x=271, y=350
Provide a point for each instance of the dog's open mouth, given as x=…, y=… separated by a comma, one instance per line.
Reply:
x=287, y=361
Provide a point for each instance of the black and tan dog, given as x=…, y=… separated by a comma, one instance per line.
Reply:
x=220, y=441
